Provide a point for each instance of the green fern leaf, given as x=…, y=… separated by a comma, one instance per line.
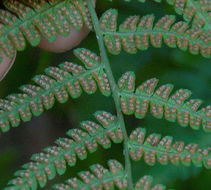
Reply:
x=173, y=108
x=44, y=166
x=135, y=34
x=31, y=19
x=153, y=148
x=196, y=12
x=100, y=178
x=68, y=79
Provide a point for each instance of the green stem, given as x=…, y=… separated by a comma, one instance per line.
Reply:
x=114, y=90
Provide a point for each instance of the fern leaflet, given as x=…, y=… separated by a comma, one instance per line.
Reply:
x=198, y=12
x=32, y=18
x=161, y=105
x=154, y=148
x=58, y=83
x=134, y=34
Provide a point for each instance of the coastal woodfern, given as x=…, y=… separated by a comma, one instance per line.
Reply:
x=30, y=20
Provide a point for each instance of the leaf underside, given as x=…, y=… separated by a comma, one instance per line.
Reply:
x=196, y=12
x=30, y=19
x=175, y=107
x=137, y=34
x=58, y=83
x=53, y=160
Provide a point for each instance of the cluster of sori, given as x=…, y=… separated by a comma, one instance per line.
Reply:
x=31, y=19
x=34, y=20
x=164, y=150
x=196, y=12
x=58, y=83
x=137, y=34
x=102, y=178
x=174, y=108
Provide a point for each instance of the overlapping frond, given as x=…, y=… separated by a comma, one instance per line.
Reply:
x=68, y=79
x=53, y=160
x=99, y=178
x=173, y=108
x=29, y=19
x=198, y=12
x=154, y=148
x=137, y=34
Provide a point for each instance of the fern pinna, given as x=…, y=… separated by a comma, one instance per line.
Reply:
x=135, y=33
x=33, y=19
x=58, y=83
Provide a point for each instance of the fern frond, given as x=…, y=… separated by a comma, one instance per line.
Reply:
x=135, y=34
x=154, y=148
x=32, y=18
x=68, y=79
x=173, y=108
x=45, y=165
x=198, y=12
x=99, y=178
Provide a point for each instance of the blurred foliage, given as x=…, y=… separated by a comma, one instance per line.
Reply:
x=169, y=65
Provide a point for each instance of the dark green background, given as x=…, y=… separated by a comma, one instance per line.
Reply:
x=169, y=65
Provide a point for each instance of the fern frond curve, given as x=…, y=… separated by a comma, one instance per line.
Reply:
x=154, y=148
x=58, y=83
x=196, y=12
x=98, y=178
x=45, y=165
x=136, y=34
x=27, y=19
x=173, y=108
